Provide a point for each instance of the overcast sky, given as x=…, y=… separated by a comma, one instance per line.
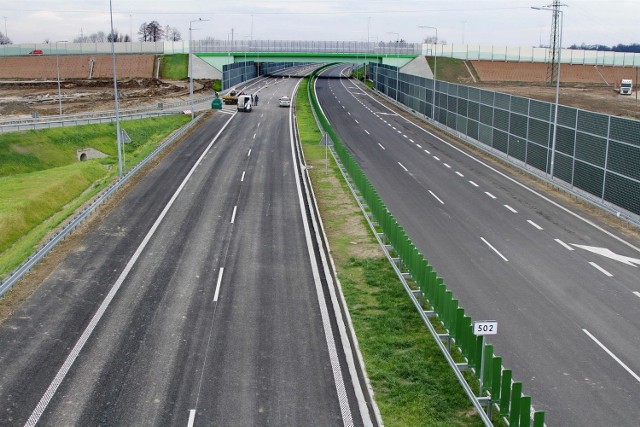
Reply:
x=497, y=22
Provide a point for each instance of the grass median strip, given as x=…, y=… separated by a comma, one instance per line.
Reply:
x=412, y=381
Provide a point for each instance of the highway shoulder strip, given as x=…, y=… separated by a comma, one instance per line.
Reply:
x=345, y=410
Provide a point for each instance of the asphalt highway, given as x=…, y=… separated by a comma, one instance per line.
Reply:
x=564, y=289
x=200, y=299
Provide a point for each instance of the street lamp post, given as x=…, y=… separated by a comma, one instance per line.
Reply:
x=58, y=74
x=115, y=96
x=435, y=67
x=555, y=118
x=397, y=63
x=191, y=65
x=366, y=49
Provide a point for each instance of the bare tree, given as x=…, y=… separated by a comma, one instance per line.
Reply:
x=173, y=34
x=4, y=39
x=117, y=37
x=155, y=31
x=142, y=31
x=433, y=40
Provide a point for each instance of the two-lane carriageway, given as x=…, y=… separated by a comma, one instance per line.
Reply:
x=564, y=290
x=197, y=300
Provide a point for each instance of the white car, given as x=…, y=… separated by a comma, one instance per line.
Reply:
x=285, y=101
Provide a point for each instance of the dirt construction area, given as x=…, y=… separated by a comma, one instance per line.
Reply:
x=21, y=99
x=592, y=97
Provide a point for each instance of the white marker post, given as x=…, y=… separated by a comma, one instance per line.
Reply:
x=480, y=329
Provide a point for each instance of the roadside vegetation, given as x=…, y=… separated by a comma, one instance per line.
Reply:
x=42, y=182
x=412, y=382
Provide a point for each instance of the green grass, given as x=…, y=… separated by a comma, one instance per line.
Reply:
x=175, y=67
x=450, y=69
x=412, y=382
x=42, y=183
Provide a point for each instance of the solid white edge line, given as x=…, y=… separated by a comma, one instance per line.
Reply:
x=436, y=197
x=402, y=166
x=534, y=224
x=233, y=215
x=381, y=146
x=494, y=249
x=600, y=269
x=510, y=208
x=563, y=244
x=613, y=356
x=192, y=417
x=219, y=282
x=73, y=355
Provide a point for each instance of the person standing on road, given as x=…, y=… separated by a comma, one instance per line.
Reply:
x=256, y=100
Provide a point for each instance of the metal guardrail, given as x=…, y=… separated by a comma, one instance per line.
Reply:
x=71, y=225
x=104, y=116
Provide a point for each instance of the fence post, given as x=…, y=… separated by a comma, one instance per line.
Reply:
x=525, y=411
x=458, y=328
x=479, y=344
x=516, y=397
x=496, y=371
x=505, y=392
x=538, y=419
x=487, y=378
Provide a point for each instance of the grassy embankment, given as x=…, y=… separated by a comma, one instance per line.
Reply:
x=176, y=67
x=451, y=70
x=42, y=183
x=413, y=384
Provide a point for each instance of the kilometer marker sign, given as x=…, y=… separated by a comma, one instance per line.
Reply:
x=485, y=327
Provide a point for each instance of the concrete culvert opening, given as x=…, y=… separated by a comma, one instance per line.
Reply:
x=83, y=157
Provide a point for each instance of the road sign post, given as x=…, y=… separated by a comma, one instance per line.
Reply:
x=480, y=329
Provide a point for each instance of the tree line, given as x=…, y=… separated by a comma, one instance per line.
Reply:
x=148, y=32
x=620, y=47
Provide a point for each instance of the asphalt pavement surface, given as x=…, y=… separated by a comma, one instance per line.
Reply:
x=198, y=300
x=564, y=289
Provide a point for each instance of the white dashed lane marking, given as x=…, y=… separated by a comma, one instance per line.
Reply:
x=436, y=197
x=600, y=269
x=563, y=244
x=534, y=224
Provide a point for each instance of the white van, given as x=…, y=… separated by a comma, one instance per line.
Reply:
x=244, y=102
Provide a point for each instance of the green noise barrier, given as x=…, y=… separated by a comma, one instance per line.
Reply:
x=498, y=389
